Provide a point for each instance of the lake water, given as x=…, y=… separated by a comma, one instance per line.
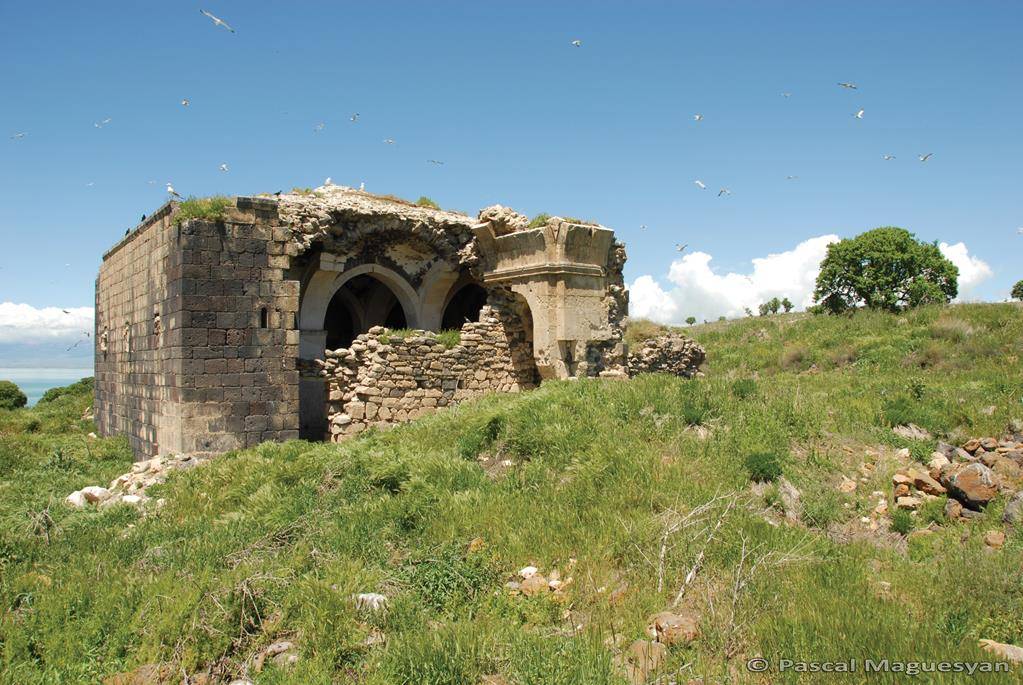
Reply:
x=34, y=382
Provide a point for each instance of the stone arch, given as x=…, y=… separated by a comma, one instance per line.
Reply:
x=463, y=303
x=324, y=285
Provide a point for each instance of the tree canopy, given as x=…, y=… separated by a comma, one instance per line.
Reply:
x=1017, y=290
x=886, y=268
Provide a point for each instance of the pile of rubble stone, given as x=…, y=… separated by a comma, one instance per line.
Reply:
x=130, y=488
x=673, y=353
x=970, y=476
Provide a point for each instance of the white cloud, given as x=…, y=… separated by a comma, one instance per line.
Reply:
x=699, y=291
x=23, y=323
x=972, y=270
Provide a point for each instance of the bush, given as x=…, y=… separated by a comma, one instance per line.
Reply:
x=540, y=220
x=82, y=387
x=902, y=521
x=211, y=208
x=763, y=467
x=424, y=201
x=11, y=396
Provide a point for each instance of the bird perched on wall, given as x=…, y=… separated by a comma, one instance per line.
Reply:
x=217, y=21
x=924, y=158
x=142, y=219
x=277, y=194
x=329, y=181
x=173, y=193
x=850, y=86
x=700, y=184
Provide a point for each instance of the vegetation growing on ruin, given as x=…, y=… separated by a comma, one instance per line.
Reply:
x=424, y=201
x=587, y=477
x=539, y=221
x=448, y=338
x=213, y=208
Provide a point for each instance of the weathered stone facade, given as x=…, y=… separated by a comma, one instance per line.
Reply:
x=211, y=335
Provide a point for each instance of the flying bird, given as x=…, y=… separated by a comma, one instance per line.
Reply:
x=101, y=124
x=700, y=184
x=786, y=95
x=389, y=141
x=859, y=114
x=924, y=158
x=90, y=184
x=577, y=43
x=185, y=102
x=697, y=117
x=173, y=193
x=217, y=21
x=319, y=127
x=888, y=157
x=223, y=167
x=642, y=227
x=18, y=136
x=355, y=117
x=1019, y=231
x=850, y=86
x=434, y=161
x=724, y=191
x=65, y=311
x=791, y=178
x=681, y=247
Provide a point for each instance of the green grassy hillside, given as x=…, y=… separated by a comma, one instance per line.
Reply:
x=622, y=487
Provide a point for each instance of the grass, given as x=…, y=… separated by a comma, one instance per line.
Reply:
x=211, y=208
x=448, y=338
x=424, y=201
x=270, y=543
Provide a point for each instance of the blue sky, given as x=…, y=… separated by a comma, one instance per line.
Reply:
x=521, y=117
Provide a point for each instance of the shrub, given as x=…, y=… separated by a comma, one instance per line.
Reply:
x=902, y=521
x=933, y=510
x=886, y=268
x=744, y=388
x=793, y=356
x=540, y=220
x=11, y=396
x=424, y=201
x=763, y=467
x=211, y=208
x=1017, y=290
x=82, y=388
x=448, y=577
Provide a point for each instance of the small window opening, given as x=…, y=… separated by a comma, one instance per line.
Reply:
x=264, y=318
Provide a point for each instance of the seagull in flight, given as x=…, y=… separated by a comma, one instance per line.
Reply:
x=217, y=21
x=924, y=158
x=1019, y=231
x=65, y=311
x=700, y=184
x=223, y=167
x=642, y=227
x=791, y=178
x=697, y=117
x=888, y=157
x=101, y=124
x=319, y=127
x=724, y=191
x=786, y=95
x=434, y=161
x=577, y=43
x=859, y=114
x=90, y=184
x=681, y=247
x=850, y=86
x=355, y=117
x=18, y=136
x=185, y=102
x=173, y=193
x=389, y=141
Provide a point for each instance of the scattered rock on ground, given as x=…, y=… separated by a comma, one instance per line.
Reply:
x=643, y=658
x=912, y=432
x=995, y=539
x=974, y=485
x=1008, y=652
x=673, y=629
x=1013, y=513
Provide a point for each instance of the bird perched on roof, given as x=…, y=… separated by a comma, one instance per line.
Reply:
x=173, y=193
x=700, y=184
x=277, y=194
x=888, y=157
x=142, y=219
x=850, y=86
x=859, y=114
x=724, y=191
x=924, y=158
x=329, y=181
x=217, y=21
x=577, y=43
x=223, y=167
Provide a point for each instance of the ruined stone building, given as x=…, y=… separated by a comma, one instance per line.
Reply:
x=278, y=320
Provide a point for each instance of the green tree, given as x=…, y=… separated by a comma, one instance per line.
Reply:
x=787, y=305
x=764, y=308
x=775, y=305
x=691, y=320
x=886, y=268
x=11, y=396
x=1017, y=290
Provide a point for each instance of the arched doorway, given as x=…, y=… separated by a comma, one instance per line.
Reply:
x=463, y=305
x=359, y=304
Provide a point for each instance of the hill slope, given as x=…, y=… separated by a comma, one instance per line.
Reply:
x=617, y=489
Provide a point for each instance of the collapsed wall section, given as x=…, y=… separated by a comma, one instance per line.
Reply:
x=384, y=379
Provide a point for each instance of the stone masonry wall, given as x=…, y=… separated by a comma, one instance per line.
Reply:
x=384, y=379
x=134, y=374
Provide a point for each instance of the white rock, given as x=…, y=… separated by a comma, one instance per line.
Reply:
x=527, y=572
x=95, y=493
x=76, y=499
x=133, y=500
